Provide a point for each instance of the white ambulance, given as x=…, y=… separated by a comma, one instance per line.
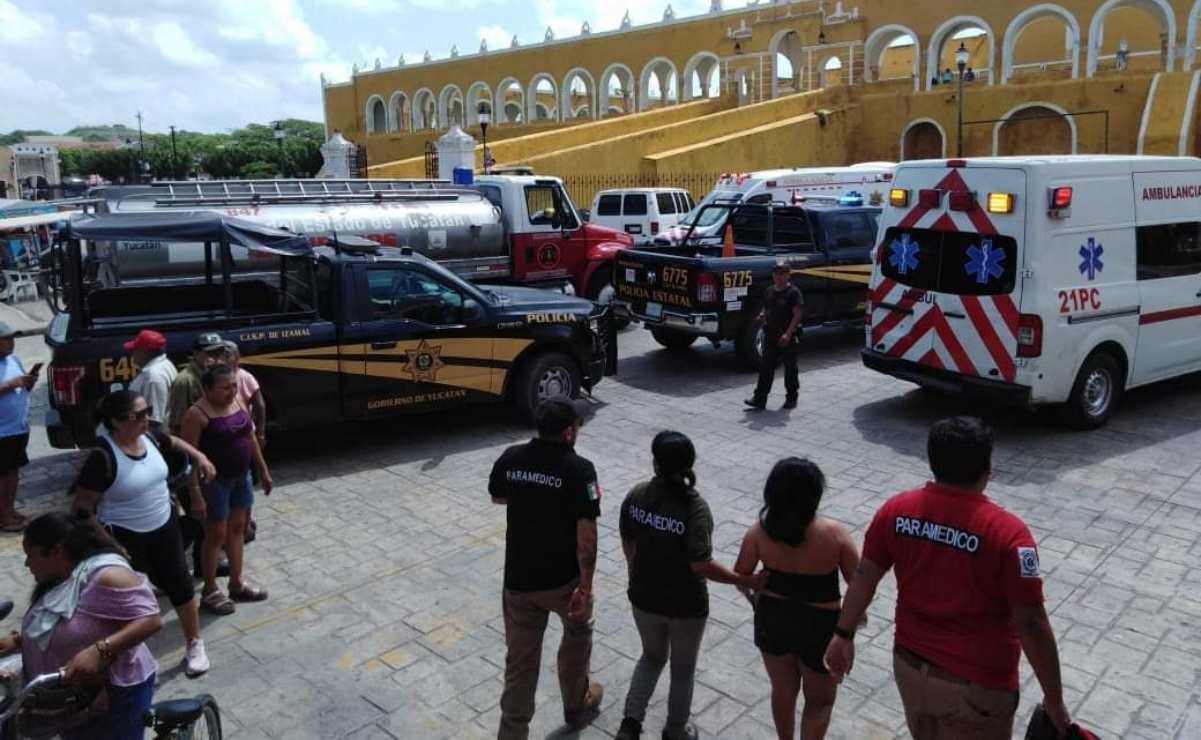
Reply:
x=867, y=183
x=1039, y=280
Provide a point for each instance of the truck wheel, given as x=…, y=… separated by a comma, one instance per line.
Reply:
x=1096, y=393
x=672, y=339
x=749, y=343
x=601, y=291
x=550, y=375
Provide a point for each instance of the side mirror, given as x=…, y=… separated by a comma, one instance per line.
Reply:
x=472, y=311
x=586, y=215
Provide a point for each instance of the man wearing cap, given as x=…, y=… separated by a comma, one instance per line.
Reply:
x=781, y=316
x=552, y=502
x=186, y=389
x=15, y=385
x=154, y=379
x=969, y=597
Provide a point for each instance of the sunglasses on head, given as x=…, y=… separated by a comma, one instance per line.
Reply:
x=141, y=415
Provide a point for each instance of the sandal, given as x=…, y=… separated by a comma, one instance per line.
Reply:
x=217, y=603
x=248, y=593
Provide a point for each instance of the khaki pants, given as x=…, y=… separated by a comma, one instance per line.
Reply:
x=939, y=706
x=526, y=615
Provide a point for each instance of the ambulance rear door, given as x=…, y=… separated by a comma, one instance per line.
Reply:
x=1168, y=236
x=949, y=283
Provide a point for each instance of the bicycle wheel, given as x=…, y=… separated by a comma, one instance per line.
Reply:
x=208, y=727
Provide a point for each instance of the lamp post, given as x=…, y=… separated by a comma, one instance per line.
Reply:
x=279, y=140
x=962, y=55
x=484, y=113
x=174, y=156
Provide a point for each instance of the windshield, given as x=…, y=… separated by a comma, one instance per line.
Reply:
x=713, y=215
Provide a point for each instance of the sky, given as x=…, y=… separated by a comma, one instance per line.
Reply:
x=216, y=65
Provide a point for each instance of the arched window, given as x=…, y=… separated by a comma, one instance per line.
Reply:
x=1043, y=39
x=1035, y=128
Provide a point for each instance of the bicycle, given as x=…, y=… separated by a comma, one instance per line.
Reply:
x=176, y=719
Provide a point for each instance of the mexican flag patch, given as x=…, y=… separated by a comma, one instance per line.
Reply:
x=594, y=491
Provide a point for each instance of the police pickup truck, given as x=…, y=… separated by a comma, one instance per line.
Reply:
x=331, y=333
x=713, y=287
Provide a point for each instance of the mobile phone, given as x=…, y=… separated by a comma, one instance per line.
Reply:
x=37, y=368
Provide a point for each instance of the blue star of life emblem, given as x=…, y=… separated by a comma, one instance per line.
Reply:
x=1090, y=255
x=904, y=254
x=984, y=263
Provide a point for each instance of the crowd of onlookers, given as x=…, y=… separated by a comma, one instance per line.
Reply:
x=175, y=463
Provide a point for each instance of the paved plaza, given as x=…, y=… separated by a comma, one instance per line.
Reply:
x=383, y=554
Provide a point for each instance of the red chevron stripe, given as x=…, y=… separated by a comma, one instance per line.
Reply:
x=928, y=321
x=882, y=290
x=1009, y=313
x=930, y=359
x=988, y=335
x=959, y=355
x=895, y=316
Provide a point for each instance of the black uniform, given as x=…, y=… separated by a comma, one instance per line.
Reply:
x=548, y=487
x=672, y=530
x=777, y=309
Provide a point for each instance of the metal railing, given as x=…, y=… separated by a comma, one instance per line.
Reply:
x=583, y=188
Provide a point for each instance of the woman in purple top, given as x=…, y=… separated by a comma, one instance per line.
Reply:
x=220, y=427
x=90, y=614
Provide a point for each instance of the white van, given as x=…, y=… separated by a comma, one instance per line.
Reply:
x=868, y=182
x=641, y=212
x=1039, y=280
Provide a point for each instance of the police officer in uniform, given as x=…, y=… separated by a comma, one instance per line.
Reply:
x=553, y=501
x=969, y=597
x=781, y=315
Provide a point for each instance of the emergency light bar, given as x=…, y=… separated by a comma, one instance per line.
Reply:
x=962, y=201
x=898, y=197
x=929, y=198
x=1000, y=202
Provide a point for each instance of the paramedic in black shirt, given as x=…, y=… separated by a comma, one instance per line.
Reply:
x=782, y=304
x=667, y=536
x=553, y=501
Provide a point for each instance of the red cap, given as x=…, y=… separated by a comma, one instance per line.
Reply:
x=147, y=339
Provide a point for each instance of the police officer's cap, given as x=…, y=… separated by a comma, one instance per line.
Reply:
x=556, y=414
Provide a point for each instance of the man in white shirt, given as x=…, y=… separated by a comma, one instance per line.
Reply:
x=153, y=382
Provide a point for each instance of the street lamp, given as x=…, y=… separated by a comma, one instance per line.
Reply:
x=962, y=56
x=279, y=140
x=174, y=156
x=484, y=114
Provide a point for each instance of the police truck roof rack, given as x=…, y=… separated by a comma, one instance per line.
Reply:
x=257, y=192
x=354, y=244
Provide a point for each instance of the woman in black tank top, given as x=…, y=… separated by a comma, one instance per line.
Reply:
x=797, y=611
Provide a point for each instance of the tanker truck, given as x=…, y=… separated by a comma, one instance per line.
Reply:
x=507, y=229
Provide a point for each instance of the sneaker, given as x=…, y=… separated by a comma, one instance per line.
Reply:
x=789, y=403
x=588, y=712
x=756, y=403
x=631, y=729
x=690, y=733
x=196, y=662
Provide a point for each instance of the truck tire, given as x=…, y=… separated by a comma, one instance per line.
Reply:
x=601, y=290
x=1096, y=393
x=673, y=339
x=544, y=376
x=749, y=343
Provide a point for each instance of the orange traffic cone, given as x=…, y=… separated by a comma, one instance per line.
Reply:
x=727, y=245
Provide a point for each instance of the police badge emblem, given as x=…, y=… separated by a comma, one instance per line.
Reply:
x=425, y=362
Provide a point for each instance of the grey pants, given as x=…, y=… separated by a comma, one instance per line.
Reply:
x=679, y=638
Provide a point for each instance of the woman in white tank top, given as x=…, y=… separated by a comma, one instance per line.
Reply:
x=124, y=481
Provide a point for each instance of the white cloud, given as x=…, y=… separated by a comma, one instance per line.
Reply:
x=498, y=37
x=17, y=26
x=176, y=45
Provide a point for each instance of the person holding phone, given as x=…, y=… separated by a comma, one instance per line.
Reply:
x=15, y=385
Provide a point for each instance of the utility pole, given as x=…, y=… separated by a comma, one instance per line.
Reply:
x=141, y=148
x=174, y=156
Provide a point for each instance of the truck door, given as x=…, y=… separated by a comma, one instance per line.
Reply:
x=1169, y=289
x=849, y=236
x=424, y=342
x=787, y=233
x=546, y=242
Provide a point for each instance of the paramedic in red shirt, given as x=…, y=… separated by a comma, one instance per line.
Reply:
x=969, y=597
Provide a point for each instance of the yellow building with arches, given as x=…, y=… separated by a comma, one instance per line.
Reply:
x=797, y=83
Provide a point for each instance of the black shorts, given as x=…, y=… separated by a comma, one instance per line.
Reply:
x=160, y=555
x=785, y=627
x=12, y=452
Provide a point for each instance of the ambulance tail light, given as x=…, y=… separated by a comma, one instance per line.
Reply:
x=1030, y=335
x=898, y=197
x=929, y=198
x=1000, y=202
x=64, y=384
x=962, y=201
x=706, y=288
x=1060, y=202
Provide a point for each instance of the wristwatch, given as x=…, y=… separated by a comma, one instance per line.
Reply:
x=844, y=634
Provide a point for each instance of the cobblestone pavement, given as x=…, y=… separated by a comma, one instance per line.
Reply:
x=383, y=555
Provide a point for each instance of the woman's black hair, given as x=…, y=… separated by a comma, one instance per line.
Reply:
x=674, y=457
x=215, y=373
x=790, y=498
x=115, y=406
x=80, y=537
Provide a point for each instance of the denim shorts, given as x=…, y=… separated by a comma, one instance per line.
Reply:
x=223, y=494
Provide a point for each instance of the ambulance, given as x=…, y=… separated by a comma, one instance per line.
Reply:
x=868, y=181
x=1039, y=280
